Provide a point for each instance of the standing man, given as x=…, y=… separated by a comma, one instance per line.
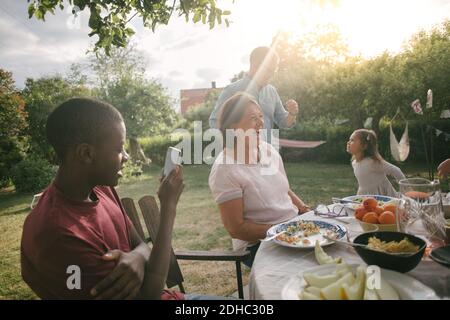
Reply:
x=263, y=65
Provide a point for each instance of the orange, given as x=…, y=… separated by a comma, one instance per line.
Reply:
x=370, y=217
x=387, y=217
x=360, y=212
x=370, y=204
x=390, y=207
x=379, y=210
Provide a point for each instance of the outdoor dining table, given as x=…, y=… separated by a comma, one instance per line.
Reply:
x=275, y=265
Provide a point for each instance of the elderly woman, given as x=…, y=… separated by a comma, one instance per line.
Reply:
x=247, y=179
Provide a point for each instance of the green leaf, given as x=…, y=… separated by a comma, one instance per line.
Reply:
x=94, y=19
x=39, y=14
x=129, y=32
x=31, y=10
x=105, y=14
x=186, y=4
x=197, y=16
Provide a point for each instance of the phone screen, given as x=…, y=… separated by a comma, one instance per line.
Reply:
x=173, y=158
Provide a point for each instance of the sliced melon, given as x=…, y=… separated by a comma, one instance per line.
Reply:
x=342, y=269
x=316, y=280
x=356, y=291
x=334, y=291
x=309, y=296
x=314, y=290
x=369, y=294
x=322, y=257
x=386, y=291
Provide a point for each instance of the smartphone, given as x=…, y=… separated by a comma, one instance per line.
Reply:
x=173, y=158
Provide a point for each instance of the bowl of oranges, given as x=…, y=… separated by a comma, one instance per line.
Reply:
x=378, y=210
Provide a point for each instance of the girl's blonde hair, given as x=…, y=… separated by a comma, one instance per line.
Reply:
x=369, y=139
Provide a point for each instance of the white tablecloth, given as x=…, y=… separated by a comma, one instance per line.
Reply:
x=275, y=265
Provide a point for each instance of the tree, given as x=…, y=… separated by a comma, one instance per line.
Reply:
x=42, y=96
x=145, y=105
x=331, y=84
x=12, y=123
x=109, y=20
x=303, y=76
x=425, y=66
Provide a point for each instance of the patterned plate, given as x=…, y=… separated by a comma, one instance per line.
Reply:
x=295, y=236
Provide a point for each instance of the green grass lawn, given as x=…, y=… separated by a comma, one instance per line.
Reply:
x=198, y=225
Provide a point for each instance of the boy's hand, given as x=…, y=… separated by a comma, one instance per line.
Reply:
x=125, y=281
x=171, y=187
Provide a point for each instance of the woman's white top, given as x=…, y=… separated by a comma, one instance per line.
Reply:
x=262, y=186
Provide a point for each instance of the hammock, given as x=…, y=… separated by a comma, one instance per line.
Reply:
x=399, y=150
x=299, y=144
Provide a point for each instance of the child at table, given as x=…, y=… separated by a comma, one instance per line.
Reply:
x=370, y=169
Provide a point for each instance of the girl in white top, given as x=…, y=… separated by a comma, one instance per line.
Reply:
x=248, y=180
x=370, y=169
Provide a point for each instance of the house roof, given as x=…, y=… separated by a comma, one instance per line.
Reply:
x=192, y=97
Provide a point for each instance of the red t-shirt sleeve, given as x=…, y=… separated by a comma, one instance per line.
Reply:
x=87, y=263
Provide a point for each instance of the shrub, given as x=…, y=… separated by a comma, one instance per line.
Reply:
x=32, y=174
x=156, y=147
x=10, y=155
x=131, y=171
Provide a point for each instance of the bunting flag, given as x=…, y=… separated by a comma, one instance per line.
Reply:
x=438, y=132
x=447, y=136
x=417, y=107
x=368, y=123
x=429, y=99
x=445, y=114
x=338, y=122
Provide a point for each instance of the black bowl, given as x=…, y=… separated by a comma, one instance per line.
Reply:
x=389, y=261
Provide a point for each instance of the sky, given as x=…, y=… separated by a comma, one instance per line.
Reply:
x=186, y=55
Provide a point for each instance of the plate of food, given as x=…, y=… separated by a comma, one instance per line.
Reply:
x=355, y=201
x=354, y=282
x=303, y=234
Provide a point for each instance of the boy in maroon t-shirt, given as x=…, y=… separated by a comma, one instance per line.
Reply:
x=78, y=243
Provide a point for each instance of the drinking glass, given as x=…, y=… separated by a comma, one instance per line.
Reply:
x=420, y=211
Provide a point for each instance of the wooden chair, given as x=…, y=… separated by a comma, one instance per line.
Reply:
x=151, y=215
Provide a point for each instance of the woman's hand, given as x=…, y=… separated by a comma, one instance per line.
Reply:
x=303, y=209
x=301, y=206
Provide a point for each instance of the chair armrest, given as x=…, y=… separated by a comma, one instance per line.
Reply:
x=213, y=255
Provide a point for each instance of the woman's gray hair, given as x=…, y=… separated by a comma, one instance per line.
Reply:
x=233, y=110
